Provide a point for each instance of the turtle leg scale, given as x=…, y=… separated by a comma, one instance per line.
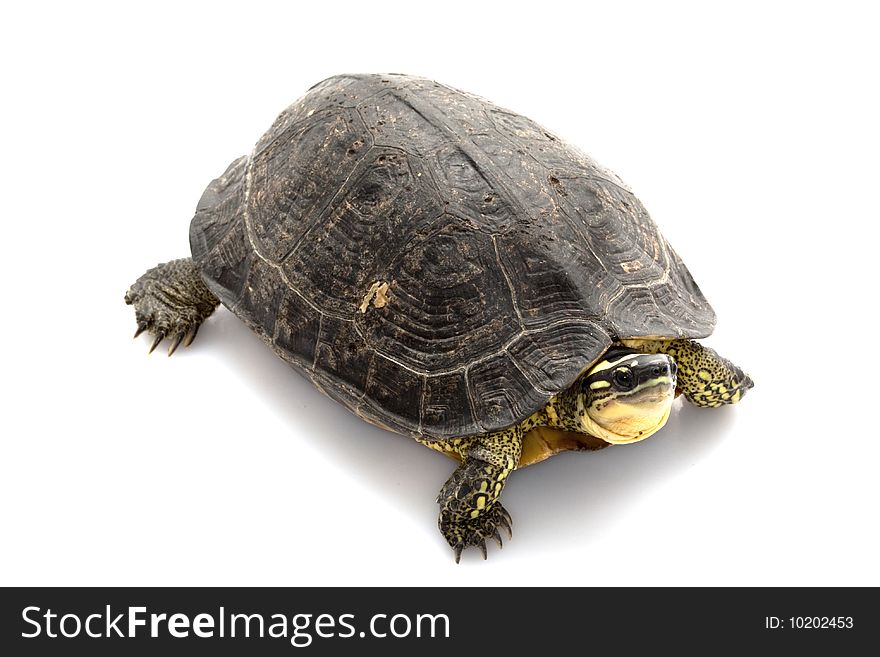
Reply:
x=470, y=512
x=171, y=301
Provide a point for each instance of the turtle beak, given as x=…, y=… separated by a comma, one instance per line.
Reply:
x=655, y=377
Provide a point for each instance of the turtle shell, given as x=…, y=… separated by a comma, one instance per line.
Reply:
x=439, y=265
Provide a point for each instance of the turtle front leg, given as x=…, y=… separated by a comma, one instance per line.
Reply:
x=470, y=511
x=171, y=300
x=705, y=378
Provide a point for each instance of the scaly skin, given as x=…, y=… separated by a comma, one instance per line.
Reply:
x=172, y=301
x=470, y=511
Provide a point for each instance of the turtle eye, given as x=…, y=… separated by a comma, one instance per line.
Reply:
x=624, y=379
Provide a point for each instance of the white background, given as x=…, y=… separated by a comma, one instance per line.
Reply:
x=750, y=133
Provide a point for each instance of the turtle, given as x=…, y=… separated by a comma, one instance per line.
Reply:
x=452, y=271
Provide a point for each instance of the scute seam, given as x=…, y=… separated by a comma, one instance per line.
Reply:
x=509, y=283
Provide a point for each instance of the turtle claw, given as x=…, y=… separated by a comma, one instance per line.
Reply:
x=175, y=343
x=473, y=532
x=505, y=522
x=178, y=334
x=191, y=335
x=159, y=337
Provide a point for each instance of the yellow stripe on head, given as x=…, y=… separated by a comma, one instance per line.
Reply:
x=606, y=364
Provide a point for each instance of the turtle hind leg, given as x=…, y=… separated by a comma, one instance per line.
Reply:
x=172, y=301
x=470, y=513
x=705, y=378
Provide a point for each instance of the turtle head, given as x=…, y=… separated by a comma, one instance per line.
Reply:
x=627, y=396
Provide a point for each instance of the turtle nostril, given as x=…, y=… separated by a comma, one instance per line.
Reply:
x=656, y=371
